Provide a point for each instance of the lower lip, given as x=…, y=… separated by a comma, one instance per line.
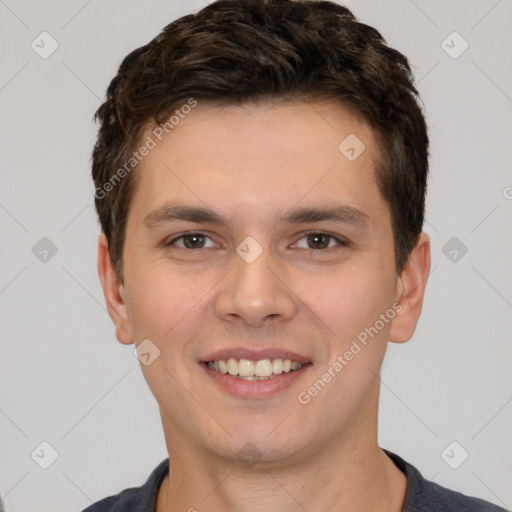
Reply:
x=255, y=388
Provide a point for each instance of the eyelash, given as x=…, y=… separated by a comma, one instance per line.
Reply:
x=341, y=241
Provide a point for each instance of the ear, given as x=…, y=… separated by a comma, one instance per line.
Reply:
x=114, y=292
x=411, y=290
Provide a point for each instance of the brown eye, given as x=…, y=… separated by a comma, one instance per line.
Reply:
x=319, y=240
x=193, y=241
x=190, y=241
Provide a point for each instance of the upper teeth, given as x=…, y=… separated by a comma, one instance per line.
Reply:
x=248, y=368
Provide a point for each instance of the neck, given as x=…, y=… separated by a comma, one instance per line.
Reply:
x=356, y=476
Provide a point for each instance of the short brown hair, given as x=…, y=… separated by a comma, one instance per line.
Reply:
x=240, y=50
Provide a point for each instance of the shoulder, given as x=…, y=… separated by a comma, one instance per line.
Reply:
x=134, y=499
x=425, y=496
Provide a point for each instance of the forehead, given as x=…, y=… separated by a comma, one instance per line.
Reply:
x=260, y=158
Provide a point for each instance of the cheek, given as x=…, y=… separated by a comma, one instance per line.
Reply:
x=159, y=303
x=347, y=301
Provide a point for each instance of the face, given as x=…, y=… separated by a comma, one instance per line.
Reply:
x=252, y=236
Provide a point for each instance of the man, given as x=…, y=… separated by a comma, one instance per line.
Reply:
x=260, y=176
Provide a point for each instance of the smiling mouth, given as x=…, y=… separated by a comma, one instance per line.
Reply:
x=246, y=369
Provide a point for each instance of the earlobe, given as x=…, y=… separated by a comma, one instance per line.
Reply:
x=411, y=291
x=114, y=292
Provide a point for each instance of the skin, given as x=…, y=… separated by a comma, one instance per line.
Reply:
x=253, y=163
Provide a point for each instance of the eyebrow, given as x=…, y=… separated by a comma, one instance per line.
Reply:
x=341, y=213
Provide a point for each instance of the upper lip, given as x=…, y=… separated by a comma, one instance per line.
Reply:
x=254, y=355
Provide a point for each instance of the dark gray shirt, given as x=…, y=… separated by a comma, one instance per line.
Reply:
x=422, y=495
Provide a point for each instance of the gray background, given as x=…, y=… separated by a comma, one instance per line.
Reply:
x=64, y=378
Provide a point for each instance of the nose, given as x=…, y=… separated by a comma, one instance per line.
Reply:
x=255, y=292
